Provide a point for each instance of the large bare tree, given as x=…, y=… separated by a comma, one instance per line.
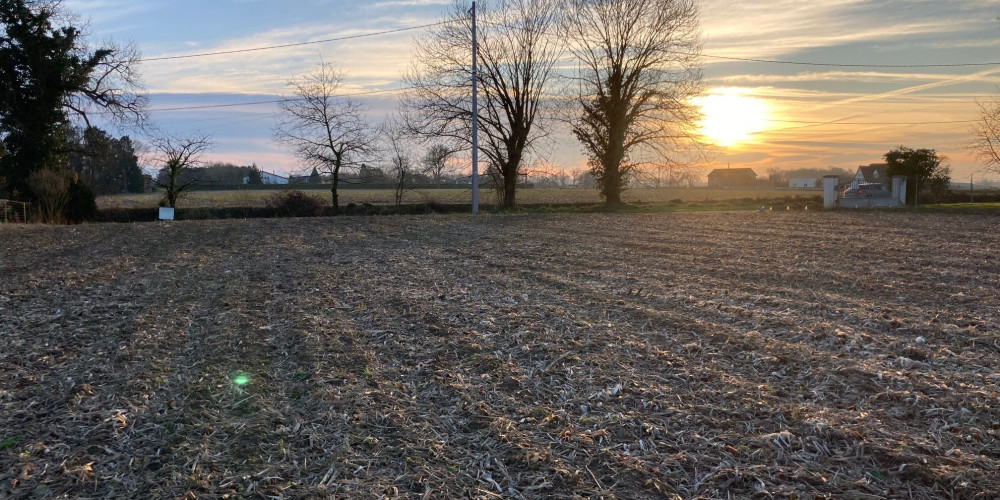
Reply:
x=639, y=67
x=324, y=129
x=517, y=50
x=986, y=135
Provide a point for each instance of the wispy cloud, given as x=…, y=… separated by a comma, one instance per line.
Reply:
x=759, y=29
x=821, y=77
x=109, y=11
x=367, y=63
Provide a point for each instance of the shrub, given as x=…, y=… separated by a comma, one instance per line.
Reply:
x=295, y=204
x=80, y=205
x=51, y=189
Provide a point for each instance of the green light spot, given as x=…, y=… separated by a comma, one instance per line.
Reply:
x=241, y=379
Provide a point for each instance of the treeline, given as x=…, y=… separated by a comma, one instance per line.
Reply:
x=227, y=175
x=108, y=165
x=215, y=174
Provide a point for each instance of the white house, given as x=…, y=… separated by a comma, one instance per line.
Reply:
x=268, y=178
x=803, y=182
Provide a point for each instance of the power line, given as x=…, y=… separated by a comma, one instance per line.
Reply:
x=272, y=101
x=299, y=44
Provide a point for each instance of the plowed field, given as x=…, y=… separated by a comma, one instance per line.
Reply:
x=742, y=355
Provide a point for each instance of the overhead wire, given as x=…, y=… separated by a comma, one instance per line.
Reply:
x=269, y=101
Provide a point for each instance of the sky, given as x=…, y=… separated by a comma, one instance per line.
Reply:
x=785, y=115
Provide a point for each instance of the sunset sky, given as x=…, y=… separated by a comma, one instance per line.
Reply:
x=800, y=115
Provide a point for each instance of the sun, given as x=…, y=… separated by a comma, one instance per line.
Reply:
x=730, y=116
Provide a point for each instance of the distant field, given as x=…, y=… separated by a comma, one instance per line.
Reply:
x=253, y=198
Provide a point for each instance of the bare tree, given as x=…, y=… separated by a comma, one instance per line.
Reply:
x=327, y=131
x=582, y=178
x=176, y=154
x=670, y=174
x=517, y=51
x=114, y=87
x=400, y=167
x=639, y=67
x=986, y=132
x=436, y=161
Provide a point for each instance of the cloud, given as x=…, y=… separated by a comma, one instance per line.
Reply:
x=845, y=76
x=109, y=11
x=762, y=29
x=376, y=62
x=850, y=31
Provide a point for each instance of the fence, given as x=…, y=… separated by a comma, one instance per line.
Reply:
x=14, y=211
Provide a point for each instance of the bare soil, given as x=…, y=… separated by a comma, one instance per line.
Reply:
x=696, y=355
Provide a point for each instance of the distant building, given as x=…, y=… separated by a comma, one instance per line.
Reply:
x=803, y=182
x=312, y=178
x=872, y=174
x=268, y=178
x=732, y=178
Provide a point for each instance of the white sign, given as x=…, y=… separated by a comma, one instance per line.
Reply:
x=166, y=213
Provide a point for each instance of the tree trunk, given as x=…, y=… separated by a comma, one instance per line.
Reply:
x=612, y=189
x=333, y=188
x=509, y=191
x=400, y=187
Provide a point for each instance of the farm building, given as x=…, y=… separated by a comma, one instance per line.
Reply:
x=732, y=178
x=268, y=178
x=803, y=182
x=872, y=174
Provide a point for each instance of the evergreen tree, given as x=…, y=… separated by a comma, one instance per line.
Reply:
x=46, y=71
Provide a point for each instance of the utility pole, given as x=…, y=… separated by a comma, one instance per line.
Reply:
x=972, y=190
x=475, y=113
